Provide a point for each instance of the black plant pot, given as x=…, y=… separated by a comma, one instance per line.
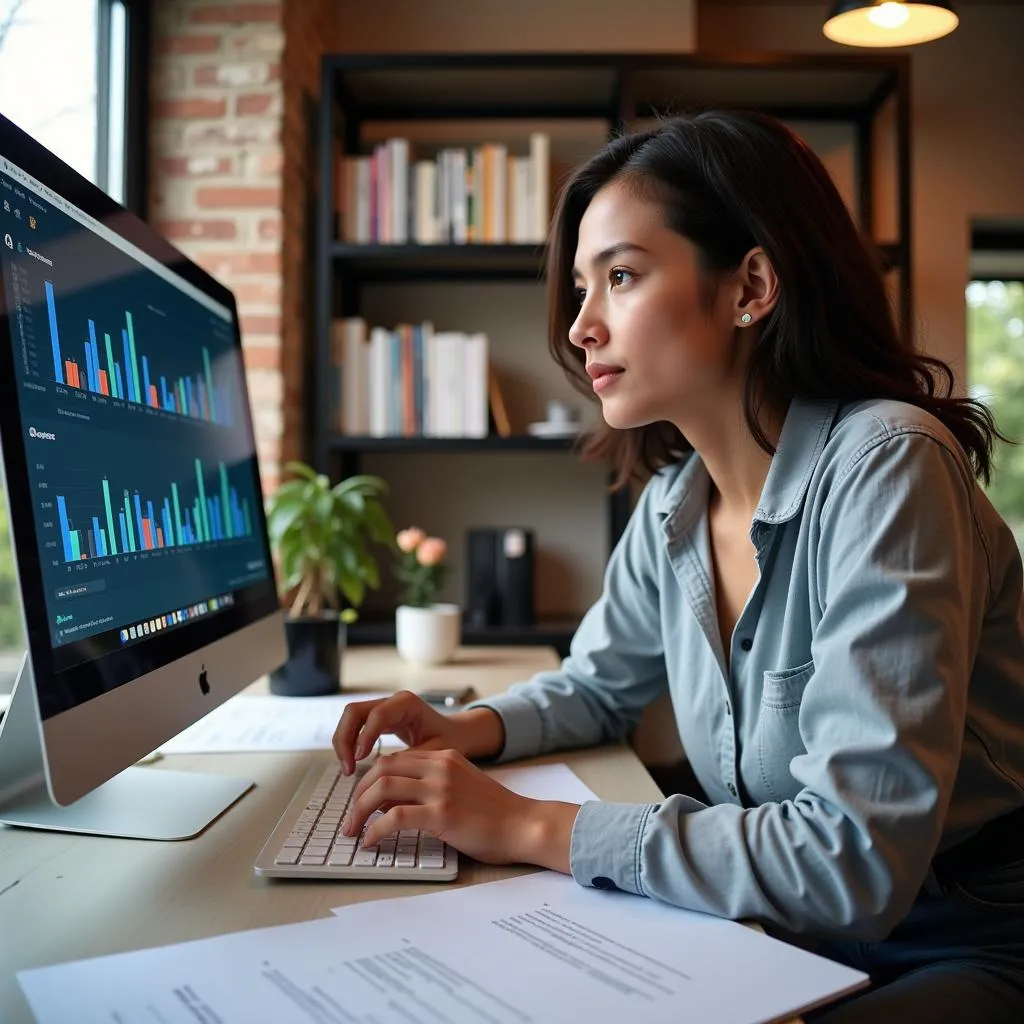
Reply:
x=313, y=668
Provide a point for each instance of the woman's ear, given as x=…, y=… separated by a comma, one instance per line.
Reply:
x=757, y=288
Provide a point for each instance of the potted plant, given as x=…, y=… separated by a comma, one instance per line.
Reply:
x=320, y=536
x=425, y=631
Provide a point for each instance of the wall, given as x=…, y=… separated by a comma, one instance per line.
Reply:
x=230, y=173
x=478, y=26
x=967, y=147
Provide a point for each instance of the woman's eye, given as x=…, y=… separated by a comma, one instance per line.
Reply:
x=618, y=276
x=580, y=294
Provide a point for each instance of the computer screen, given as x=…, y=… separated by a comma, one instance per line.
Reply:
x=129, y=456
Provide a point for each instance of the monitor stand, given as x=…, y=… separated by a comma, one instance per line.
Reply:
x=138, y=803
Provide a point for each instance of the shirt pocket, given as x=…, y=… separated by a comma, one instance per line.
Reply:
x=778, y=729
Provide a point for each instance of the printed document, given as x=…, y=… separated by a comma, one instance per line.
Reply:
x=253, y=722
x=537, y=948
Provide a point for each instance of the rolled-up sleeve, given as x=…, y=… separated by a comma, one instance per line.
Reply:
x=615, y=666
x=902, y=583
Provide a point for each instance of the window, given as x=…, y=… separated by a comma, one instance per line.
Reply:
x=995, y=360
x=72, y=76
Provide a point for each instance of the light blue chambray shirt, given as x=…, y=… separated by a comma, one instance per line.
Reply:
x=872, y=709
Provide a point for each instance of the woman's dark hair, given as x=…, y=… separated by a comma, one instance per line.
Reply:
x=729, y=181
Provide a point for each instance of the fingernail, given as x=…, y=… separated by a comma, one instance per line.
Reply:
x=360, y=751
x=346, y=827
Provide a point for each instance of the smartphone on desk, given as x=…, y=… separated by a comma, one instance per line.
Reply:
x=448, y=696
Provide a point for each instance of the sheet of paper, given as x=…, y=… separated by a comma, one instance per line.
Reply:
x=253, y=722
x=544, y=782
x=538, y=948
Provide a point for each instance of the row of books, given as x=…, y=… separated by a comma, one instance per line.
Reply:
x=409, y=381
x=481, y=194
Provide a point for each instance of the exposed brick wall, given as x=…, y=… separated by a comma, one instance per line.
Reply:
x=231, y=176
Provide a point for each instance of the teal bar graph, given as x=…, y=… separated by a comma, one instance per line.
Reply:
x=106, y=504
x=153, y=521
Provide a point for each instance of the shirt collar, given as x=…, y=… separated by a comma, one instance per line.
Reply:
x=801, y=442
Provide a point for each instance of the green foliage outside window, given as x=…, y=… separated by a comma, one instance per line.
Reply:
x=11, y=635
x=995, y=368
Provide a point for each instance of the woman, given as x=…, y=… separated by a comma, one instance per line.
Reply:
x=812, y=572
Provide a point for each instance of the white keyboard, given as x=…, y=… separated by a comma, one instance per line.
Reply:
x=308, y=842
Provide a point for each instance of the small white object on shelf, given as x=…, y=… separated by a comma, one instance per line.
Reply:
x=548, y=429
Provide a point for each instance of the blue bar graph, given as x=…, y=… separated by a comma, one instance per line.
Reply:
x=51, y=309
x=145, y=523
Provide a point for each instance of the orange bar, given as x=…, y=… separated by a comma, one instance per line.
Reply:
x=152, y=396
x=104, y=385
x=159, y=536
x=71, y=373
x=147, y=535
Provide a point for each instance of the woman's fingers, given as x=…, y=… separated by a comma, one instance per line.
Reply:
x=364, y=722
x=349, y=725
x=399, y=817
x=386, y=791
x=408, y=763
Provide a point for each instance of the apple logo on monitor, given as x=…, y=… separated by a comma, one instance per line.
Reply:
x=204, y=683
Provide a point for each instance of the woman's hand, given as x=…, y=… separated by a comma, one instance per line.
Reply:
x=474, y=733
x=442, y=794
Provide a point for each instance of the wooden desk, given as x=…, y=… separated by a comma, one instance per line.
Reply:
x=65, y=897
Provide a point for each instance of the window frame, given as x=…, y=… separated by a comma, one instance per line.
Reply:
x=135, y=171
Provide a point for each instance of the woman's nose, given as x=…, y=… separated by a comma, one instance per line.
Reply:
x=587, y=329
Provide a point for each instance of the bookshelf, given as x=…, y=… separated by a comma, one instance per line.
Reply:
x=861, y=100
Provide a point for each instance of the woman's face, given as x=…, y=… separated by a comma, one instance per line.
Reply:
x=642, y=317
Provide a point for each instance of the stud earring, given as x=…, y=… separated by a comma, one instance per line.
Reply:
x=746, y=318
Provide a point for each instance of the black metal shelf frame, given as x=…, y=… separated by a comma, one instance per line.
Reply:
x=619, y=89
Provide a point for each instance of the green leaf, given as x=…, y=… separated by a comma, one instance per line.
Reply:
x=301, y=469
x=378, y=523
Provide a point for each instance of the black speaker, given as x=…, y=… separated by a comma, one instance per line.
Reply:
x=499, y=590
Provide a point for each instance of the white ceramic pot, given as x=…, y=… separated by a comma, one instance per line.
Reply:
x=427, y=635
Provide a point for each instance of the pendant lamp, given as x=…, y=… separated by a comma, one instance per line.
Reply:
x=889, y=22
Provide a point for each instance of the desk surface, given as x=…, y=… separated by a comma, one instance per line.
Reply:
x=65, y=897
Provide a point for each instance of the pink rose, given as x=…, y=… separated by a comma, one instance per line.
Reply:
x=409, y=540
x=431, y=551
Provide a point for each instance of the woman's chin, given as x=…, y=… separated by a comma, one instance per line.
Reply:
x=619, y=417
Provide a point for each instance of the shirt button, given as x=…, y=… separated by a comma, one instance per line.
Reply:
x=728, y=708
x=746, y=643
x=732, y=789
x=603, y=883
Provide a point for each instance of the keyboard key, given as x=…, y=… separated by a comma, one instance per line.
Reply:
x=340, y=859
x=316, y=857
x=364, y=858
x=405, y=860
x=287, y=856
x=385, y=860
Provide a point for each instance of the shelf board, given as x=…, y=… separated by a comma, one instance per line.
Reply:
x=494, y=442
x=547, y=632
x=401, y=86
x=471, y=259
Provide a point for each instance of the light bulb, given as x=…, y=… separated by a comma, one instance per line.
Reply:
x=889, y=15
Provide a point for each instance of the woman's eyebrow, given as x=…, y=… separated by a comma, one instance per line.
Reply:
x=610, y=253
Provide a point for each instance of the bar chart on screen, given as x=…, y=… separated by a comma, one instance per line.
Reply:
x=128, y=521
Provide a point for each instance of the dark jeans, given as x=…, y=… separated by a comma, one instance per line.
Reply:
x=957, y=958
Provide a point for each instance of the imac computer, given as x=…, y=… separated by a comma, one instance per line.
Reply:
x=146, y=580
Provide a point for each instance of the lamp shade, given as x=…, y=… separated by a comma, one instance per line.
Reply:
x=889, y=22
